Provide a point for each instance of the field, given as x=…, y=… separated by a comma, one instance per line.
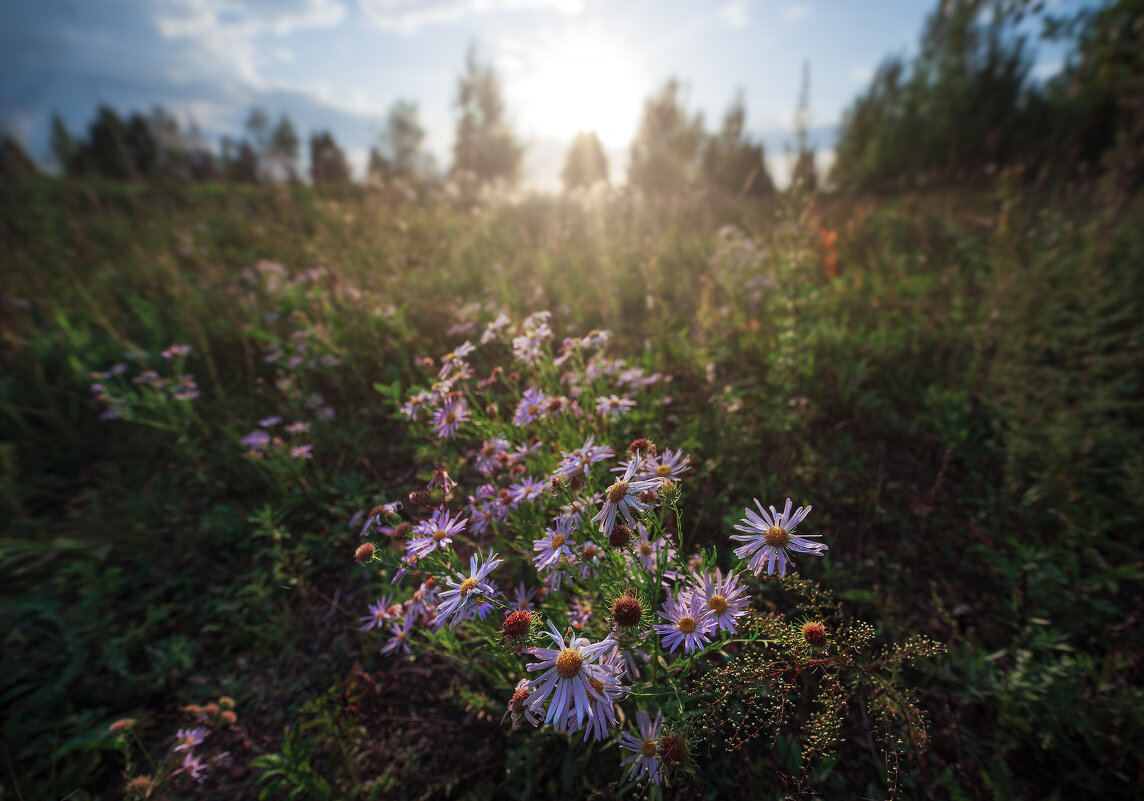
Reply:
x=953, y=380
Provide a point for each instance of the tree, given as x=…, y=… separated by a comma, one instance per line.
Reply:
x=283, y=149
x=14, y=162
x=64, y=147
x=402, y=141
x=328, y=163
x=106, y=146
x=486, y=145
x=804, y=176
x=731, y=162
x=664, y=155
x=585, y=163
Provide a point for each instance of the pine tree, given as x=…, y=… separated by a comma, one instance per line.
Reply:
x=486, y=146
x=585, y=163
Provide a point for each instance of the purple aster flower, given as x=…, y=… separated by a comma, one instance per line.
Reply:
x=448, y=418
x=494, y=327
x=256, y=440
x=301, y=452
x=455, y=358
x=614, y=407
x=576, y=508
x=176, y=350
x=581, y=459
x=555, y=543
x=267, y=422
x=623, y=497
x=690, y=623
x=531, y=407
x=379, y=612
x=601, y=706
x=189, y=738
x=523, y=597
x=481, y=517
x=643, y=744
x=398, y=642
x=192, y=766
x=527, y=491
x=650, y=553
x=565, y=680
x=462, y=592
x=724, y=596
x=770, y=538
x=298, y=428
x=412, y=407
x=436, y=532
x=669, y=464
x=441, y=480
x=488, y=456
x=481, y=606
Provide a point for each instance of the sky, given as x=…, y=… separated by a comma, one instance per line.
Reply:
x=339, y=65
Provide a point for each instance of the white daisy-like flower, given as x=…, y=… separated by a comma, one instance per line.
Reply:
x=459, y=598
x=565, y=681
x=623, y=497
x=770, y=537
x=555, y=544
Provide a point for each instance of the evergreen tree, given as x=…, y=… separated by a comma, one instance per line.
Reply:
x=585, y=163
x=665, y=153
x=14, y=161
x=64, y=147
x=106, y=148
x=486, y=145
x=328, y=163
x=804, y=175
x=283, y=150
x=402, y=142
x=731, y=162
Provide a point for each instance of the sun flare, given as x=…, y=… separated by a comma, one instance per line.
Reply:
x=583, y=84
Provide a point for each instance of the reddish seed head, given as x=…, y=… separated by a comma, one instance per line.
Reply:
x=648, y=496
x=641, y=445
x=590, y=551
x=673, y=751
x=555, y=404
x=211, y=710
x=121, y=724
x=621, y=535
x=228, y=717
x=364, y=552
x=226, y=702
x=419, y=498
x=518, y=699
x=193, y=709
x=517, y=624
x=814, y=633
x=401, y=530
x=627, y=611
x=139, y=784
x=376, y=511
x=430, y=583
x=575, y=482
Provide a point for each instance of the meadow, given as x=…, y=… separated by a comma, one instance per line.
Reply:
x=953, y=379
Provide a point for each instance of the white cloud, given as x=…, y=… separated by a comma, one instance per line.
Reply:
x=862, y=74
x=1049, y=69
x=409, y=16
x=735, y=15
x=796, y=11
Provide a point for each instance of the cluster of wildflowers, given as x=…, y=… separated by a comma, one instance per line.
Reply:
x=158, y=398
x=531, y=530
x=187, y=759
x=273, y=436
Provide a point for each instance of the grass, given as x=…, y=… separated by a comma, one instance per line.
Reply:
x=960, y=402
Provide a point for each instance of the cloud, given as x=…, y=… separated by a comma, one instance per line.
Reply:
x=1048, y=69
x=796, y=11
x=409, y=16
x=862, y=74
x=735, y=15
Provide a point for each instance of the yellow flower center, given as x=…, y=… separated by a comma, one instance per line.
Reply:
x=597, y=685
x=646, y=549
x=557, y=541
x=439, y=535
x=777, y=537
x=450, y=418
x=718, y=604
x=468, y=585
x=663, y=471
x=649, y=748
x=568, y=663
x=533, y=409
x=589, y=551
x=618, y=492
x=687, y=624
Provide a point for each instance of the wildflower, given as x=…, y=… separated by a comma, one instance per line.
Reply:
x=602, y=706
x=455, y=358
x=436, y=532
x=642, y=445
x=228, y=717
x=522, y=596
x=379, y=513
x=621, y=535
x=256, y=440
x=298, y=428
x=481, y=606
x=189, y=738
x=192, y=766
x=814, y=633
x=380, y=611
x=226, y=702
x=575, y=509
x=482, y=516
x=531, y=407
x=555, y=544
x=651, y=553
x=669, y=465
x=456, y=600
x=412, y=407
x=448, y=418
x=517, y=707
x=644, y=746
x=364, y=552
x=268, y=422
x=327, y=413
x=527, y=490
x=627, y=611
x=581, y=613
x=725, y=597
x=770, y=538
x=494, y=327
x=622, y=498
x=176, y=350
x=564, y=682
x=613, y=406
x=487, y=461
x=302, y=452
x=517, y=624
x=441, y=479
x=581, y=459
x=398, y=642
x=690, y=623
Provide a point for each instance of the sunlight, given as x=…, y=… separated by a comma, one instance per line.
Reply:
x=584, y=84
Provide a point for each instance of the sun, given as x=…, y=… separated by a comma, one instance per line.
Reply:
x=583, y=83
